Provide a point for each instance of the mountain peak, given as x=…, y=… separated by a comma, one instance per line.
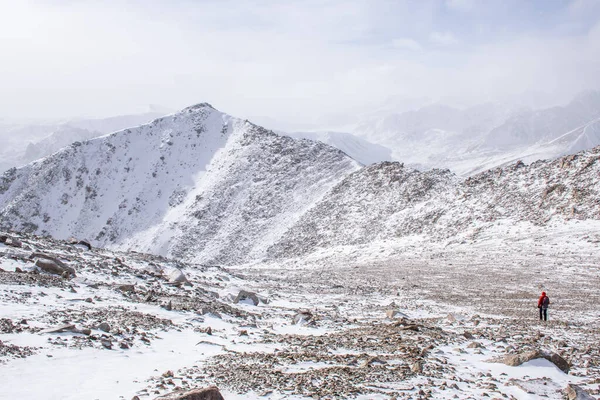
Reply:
x=199, y=106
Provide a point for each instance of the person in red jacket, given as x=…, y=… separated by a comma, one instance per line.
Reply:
x=543, y=303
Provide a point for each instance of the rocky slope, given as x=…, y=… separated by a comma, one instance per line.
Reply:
x=390, y=201
x=450, y=324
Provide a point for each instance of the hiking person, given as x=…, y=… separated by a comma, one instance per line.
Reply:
x=543, y=303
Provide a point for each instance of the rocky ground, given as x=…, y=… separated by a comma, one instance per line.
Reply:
x=432, y=323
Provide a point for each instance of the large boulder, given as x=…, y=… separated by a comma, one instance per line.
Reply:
x=246, y=297
x=176, y=276
x=52, y=265
x=209, y=393
x=514, y=360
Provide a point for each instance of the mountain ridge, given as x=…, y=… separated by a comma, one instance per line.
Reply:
x=207, y=187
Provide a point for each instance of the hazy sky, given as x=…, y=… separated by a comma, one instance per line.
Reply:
x=290, y=60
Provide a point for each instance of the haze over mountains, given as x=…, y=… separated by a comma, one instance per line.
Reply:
x=202, y=186
x=28, y=141
x=471, y=140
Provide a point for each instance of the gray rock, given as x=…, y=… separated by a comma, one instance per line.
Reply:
x=575, y=392
x=560, y=362
x=210, y=393
x=49, y=266
x=475, y=345
x=518, y=359
x=52, y=264
x=515, y=360
x=176, y=276
x=244, y=295
x=61, y=328
x=391, y=314
x=303, y=317
x=104, y=326
x=416, y=367
x=126, y=288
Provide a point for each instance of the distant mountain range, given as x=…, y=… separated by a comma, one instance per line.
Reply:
x=207, y=187
x=472, y=140
x=25, y=142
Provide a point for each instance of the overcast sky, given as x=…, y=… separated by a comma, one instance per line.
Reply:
x=289, y=60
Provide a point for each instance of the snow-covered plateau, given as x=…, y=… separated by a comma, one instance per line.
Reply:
x=201, y=249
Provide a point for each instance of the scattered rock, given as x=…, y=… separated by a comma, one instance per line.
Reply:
x=106, y=343
x=104, y=326
x=210, y=393
x=468, y=335
x=246, y=297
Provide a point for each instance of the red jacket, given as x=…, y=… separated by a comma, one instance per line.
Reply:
x=541, y=300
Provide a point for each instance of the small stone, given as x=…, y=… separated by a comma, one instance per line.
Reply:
x=124, y=345
x=106, y=343
x=104, y=326
x=89, y=300
x=210, y=393
x=126, y=288
x=468, y=335
x=416, y=367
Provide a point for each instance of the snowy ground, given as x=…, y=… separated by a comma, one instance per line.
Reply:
x=460, y=307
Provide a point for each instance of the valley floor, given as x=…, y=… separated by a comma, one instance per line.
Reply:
x=319, y=331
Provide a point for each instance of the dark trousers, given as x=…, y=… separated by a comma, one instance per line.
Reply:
x=543, y=314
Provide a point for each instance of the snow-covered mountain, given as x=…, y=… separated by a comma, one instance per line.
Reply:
x=27, y=141
x=356, y=147
x=203, y=186
x=197, y=184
